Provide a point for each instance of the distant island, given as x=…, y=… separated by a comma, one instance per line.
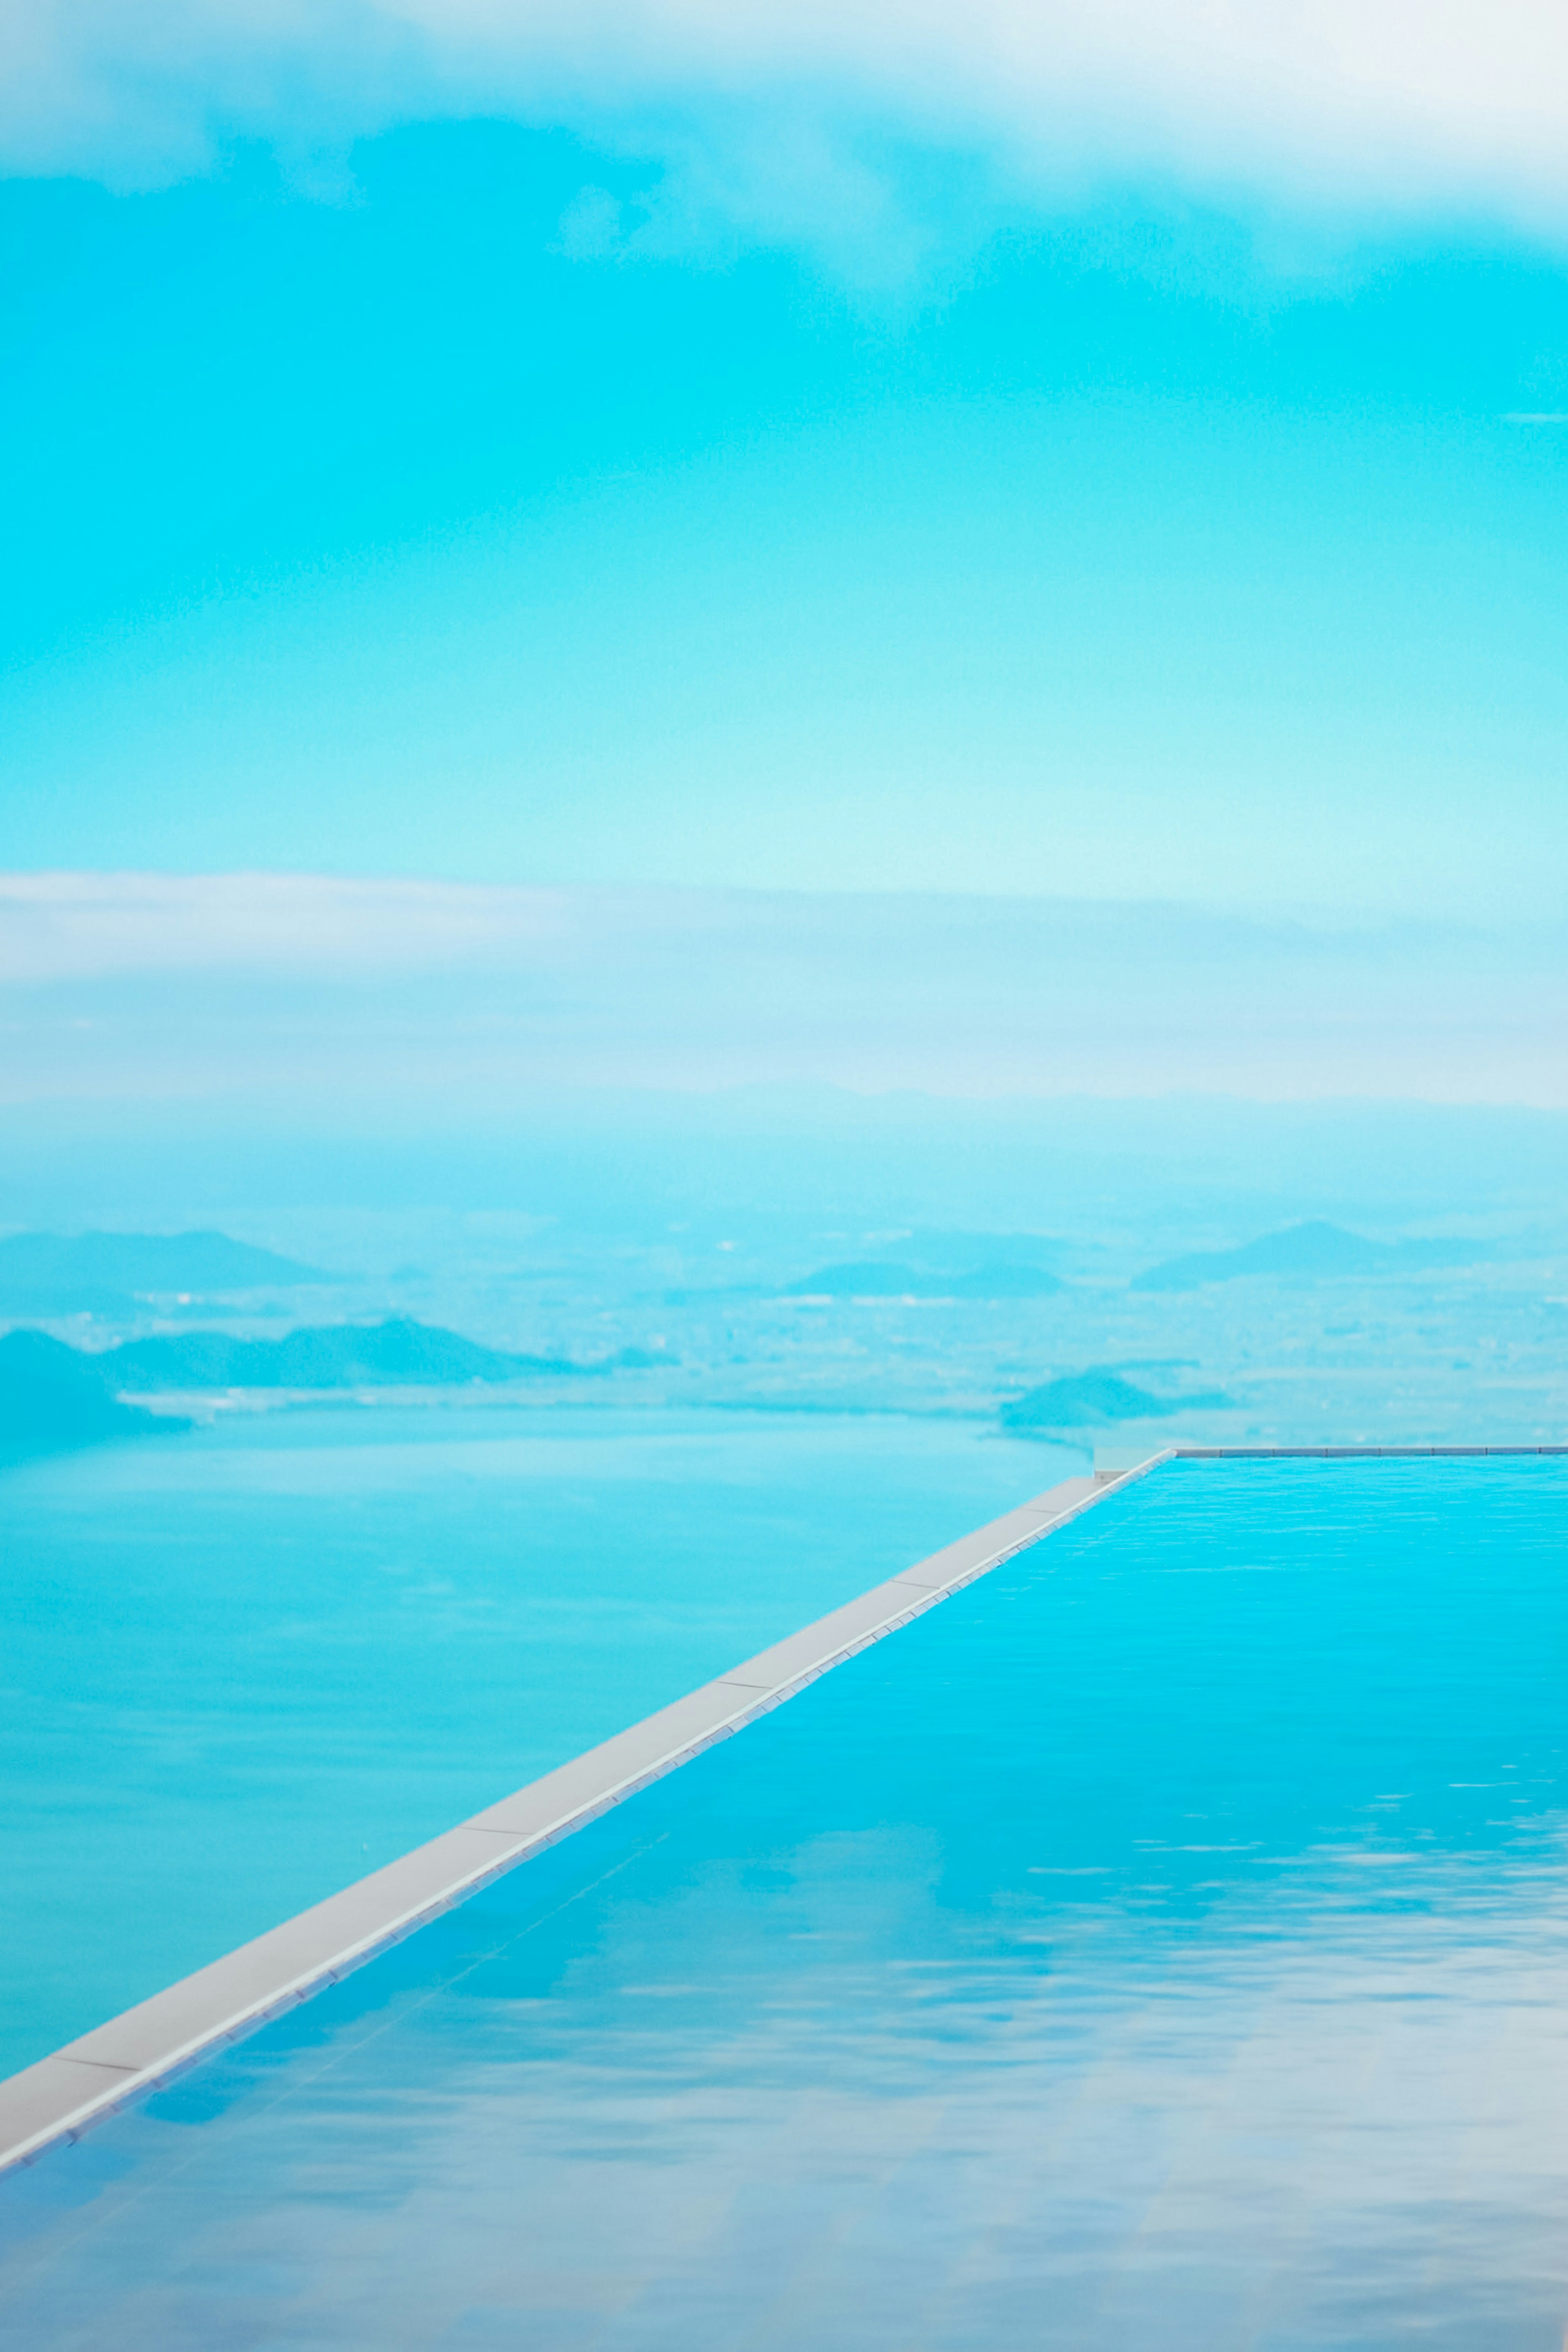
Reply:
x=398, y=1352
x=874, y=1278
x=1316, y=1248
x=1091, y=1399
x=107, y=1274
x=54, y=1398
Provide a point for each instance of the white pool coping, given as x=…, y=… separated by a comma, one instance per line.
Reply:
x=60, y=2096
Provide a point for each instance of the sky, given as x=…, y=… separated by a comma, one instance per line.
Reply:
x=304, y=999
x=1091, y=458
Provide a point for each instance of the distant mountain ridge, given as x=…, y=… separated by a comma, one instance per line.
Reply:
x=54, y=1398
x=1316, y=1247
x=1090, y=1399
x=398, y=1352
x=104, y=1274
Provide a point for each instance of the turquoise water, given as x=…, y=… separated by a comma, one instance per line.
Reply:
x=1164, y=1942
x=242, y=1667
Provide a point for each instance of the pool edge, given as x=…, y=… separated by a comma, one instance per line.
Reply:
x=59, y=2097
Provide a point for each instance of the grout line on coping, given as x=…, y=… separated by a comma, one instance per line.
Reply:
x=234, y=1995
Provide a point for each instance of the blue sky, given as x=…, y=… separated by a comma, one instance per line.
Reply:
x=745, y=451
x=1127, y=545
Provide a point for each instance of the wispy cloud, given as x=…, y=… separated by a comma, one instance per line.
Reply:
x=1363, y=104
x=74, y=927
x=415, y=1001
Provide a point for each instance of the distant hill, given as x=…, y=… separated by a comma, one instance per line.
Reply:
x=54, y=1398
x=102, y=1274
x=1315, y=1249
x=873, y=1278
x=398, y=1352
x=1086, y=1400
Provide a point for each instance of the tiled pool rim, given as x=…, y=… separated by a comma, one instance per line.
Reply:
x=62, y=2095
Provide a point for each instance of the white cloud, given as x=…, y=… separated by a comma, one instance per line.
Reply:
x=422, y=1000
x=1349, y=103
x=71, y=927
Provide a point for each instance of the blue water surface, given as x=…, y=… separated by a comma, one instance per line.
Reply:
x=242, y=1666
x=1162, y=1942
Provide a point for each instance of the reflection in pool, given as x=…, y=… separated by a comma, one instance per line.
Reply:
x=240, y=1669
x=1164, y=1942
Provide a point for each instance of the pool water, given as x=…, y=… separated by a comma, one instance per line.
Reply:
x=1162, y=1942
x=242, y=1667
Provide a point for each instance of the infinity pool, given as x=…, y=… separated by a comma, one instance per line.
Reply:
x=243, y=1666
x=1164, y=1942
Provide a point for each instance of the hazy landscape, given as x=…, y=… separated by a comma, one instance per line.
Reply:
x=718, y=1271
